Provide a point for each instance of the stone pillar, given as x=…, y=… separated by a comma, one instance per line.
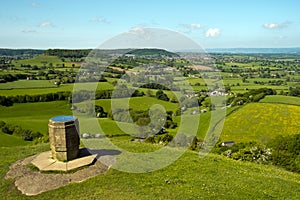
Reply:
x=64, y=137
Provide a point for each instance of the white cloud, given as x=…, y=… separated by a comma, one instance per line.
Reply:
x=213, y=32
x=191, y=26
x=34, y=4
x=45, y=24
x=28, y=31
x=100, y=20
x=276, y=25
x=137, y=31
x=270, y=26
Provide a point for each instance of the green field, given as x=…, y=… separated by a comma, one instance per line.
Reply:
x=136, y=103
x=34, y=87
x=27, y=84
x=190, y=177
x=281, y=100
x=11, y=140
x=34, y=116
x=261, y=121
x=40, y=60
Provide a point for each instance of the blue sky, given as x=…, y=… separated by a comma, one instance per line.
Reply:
x=88, y=23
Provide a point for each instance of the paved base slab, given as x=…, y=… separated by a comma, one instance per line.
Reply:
x=31, y=182
x=45, y=162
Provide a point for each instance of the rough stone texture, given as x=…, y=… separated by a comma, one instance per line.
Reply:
x=64, y=138
x=31, y=182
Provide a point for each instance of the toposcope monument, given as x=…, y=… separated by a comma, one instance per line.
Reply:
x=64, y=137
x=65, y=154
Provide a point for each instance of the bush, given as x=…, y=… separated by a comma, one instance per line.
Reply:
x=165, y=139
x=251, y=151
x=2, y=124
x=27, y=135
x=286, y=152
x=150, y=139
x=8, y=129
x=162, y=96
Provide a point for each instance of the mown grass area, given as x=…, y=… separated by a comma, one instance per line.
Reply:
x=34, y=116
x=136, y=103
x=280, y=99
x=11, y=140
x=27, y=84
x=190, y=177
x=40, y=60
x=34, y=87
x=261, y=121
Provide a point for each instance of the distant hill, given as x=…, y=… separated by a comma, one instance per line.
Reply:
x=255, y=50
x=153, y=53
x=26, y=53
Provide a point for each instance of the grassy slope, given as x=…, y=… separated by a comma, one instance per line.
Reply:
x=281, y=100
x=11, y=140
x=256, y=121
x=34, y=116
x=190, y=177
x=27, y=84
x=39, y=60
x=32, y=87
x=136, y=103
x=261, y=121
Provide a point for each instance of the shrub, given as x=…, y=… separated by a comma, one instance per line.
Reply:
x=286, y=152
x=162, y=96
x=150, y=139
x=2, y=124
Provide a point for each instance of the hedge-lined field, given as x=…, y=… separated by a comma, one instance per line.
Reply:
x=261, y=121
x=281, y=100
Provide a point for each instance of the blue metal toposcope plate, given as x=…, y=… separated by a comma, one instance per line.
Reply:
x=63, y=118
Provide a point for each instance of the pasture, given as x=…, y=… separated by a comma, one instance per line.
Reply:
x=260, y=122
x=281, y=100
x=34, y=87
x=136, y=103
x=34, y=116
x=211, y=177
x=11, y=140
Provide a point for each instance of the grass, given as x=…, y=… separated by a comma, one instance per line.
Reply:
x=190, y=177
x=11, y=140
x=27, y=84
x=261, y=121
x=34, y=87
x=34, y=116
x=39, y=60
x=136, y=103
x=281, y=100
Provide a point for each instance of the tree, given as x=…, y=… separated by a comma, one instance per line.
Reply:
x=100, y=112
x=161, y=96
x=294, y=91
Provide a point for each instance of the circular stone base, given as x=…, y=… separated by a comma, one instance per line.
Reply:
x=32, y=182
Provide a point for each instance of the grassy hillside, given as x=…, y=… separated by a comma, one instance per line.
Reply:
x=40, y=60
x=34, y=116
x=281, y=100
x=33, y=87
x=190, y=177
x=136, y=103
x=11, y=140
x=261, y=121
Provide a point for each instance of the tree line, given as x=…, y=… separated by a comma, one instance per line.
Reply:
x=27, y=135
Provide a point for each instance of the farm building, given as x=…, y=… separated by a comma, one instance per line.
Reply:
x=228, y=143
